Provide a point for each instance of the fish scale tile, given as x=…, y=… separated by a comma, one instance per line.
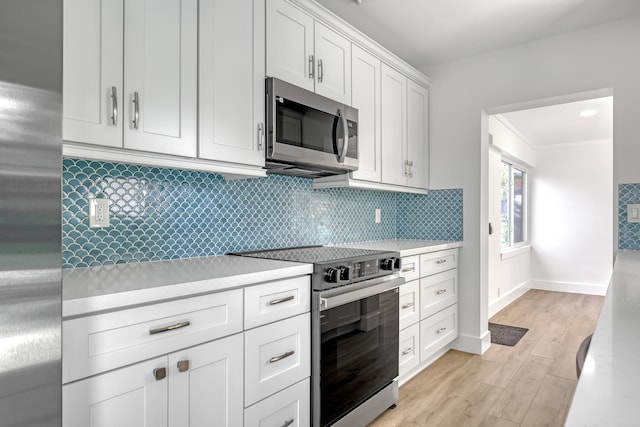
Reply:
x=628, y=233
x=160, y=213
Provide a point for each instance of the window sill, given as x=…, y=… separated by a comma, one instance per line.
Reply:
x=514, y=252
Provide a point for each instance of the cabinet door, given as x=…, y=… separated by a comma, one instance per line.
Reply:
x=333, y=64
x=231, y=76
x=365, y=91
x=205, y=384
x=290, y=44
x=92, y=58
x=289, y=407
x=130, y=397
x=417, y=134
x=409, y=349
x=160, y=75
x=394, y=136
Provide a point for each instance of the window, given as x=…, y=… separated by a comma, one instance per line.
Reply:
x=513, y=206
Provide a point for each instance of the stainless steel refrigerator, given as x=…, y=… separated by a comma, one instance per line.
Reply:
x=30, y=231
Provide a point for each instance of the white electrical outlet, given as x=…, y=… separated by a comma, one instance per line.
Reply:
x=98, y=213
x=378, y=215
x=633, y=213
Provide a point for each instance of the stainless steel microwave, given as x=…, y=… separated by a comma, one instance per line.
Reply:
x=307, y=134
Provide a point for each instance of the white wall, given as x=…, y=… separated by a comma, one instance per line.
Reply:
x=606, y=56
x=571, y=195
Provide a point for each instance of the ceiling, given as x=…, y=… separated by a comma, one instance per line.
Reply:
x=562, y=123
x=429, y=32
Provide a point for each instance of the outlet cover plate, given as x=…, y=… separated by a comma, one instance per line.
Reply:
x=98, y=213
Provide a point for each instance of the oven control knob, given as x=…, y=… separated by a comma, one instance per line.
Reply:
x=333, y=275
x=345, y=273
x=390, y=263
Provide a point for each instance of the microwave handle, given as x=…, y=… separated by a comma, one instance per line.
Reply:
x=345, y=146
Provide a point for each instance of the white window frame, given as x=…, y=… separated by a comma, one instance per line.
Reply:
x=525, y=199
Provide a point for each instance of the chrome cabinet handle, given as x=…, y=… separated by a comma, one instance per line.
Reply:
x=406, y=168
x=311, y=66
x=136, y=110
x=409, y=269
x=288, y=422
x=410, y=164
x=281, y=300
x=114, y=106
x=260, y=136
x=183, y=365
x=440, y=291
x=169, y=328
x=160, y=373
x=407, y=351
x=441, y=261
x=345, y=146
x=407, y=305
x=441, y=330
x=320, y=71
x=282, y=356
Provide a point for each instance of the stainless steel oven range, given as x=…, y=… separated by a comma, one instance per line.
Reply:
x=354, y=331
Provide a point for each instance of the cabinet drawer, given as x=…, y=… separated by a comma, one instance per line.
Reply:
x=102, y=342
x=409, y=303
x=437, y=292
x=274, y=301
x=290, y=407
x=410, y=269
x=409, y=349
x=438, y=331
x=435, y=262
x=276, y=356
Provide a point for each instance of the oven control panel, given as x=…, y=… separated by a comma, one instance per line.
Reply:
x=348, y=272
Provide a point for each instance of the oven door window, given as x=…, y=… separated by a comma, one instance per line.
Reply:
x=358, y=353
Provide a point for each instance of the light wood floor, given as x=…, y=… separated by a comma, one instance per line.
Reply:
x=529, y=385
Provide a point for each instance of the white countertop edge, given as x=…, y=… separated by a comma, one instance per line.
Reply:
x=121, y=300
x=408, y=247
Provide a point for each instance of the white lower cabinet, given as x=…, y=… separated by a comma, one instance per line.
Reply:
x=290, y=407
x=409, y=349
x=277, y=355
x=428, y=312
x=187, y=388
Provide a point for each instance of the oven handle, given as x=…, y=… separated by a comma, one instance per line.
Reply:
x=339, y=296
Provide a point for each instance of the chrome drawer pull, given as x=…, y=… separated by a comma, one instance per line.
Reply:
x=281, y=300
x=136, y=111
x=441, y=261
x=440, y=291
x=407, y=351
x=288, y=423
x=407, y=305
x=169, y=328
x=409, y=269
x=283, y=356
x=114, y=106
x=160, y=373
x=441, y=330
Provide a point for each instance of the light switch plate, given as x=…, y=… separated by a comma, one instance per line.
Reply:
x=98, y=213
x=633, y=213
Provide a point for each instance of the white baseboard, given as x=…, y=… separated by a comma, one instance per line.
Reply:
x=508, y=298
x=576, y=288
x=473, y=344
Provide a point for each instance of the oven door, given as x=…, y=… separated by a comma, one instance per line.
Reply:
x=355, y=346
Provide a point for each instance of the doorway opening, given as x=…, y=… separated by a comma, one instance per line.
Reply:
x=550, y=197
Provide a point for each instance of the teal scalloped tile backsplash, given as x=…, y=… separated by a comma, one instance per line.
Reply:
x=159, y=213
x=628, y=232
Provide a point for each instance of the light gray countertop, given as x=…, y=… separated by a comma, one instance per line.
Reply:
x=407, y=247
x=608, y=393
x=92, y=289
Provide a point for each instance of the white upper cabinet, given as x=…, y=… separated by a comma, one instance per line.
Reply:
x=417, y=135
x=231, y=81
x=394, y=122
x=160, y=76
x=307, y=53
x=365, y=91
x=404, y=130
x=92, y=79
